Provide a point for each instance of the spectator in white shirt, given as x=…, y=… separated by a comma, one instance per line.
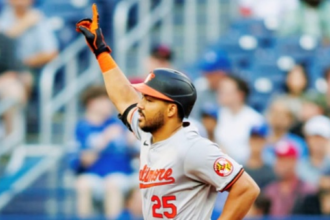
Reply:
x=236, y=118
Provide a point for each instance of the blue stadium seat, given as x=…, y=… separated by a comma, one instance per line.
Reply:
x=317, y=67
x=301, y=48
x=256, y=28
x=264, y=81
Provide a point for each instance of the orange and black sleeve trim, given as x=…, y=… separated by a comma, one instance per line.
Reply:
x=123, y=117
x=231, y=183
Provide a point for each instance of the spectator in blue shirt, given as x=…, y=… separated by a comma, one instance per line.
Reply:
x=103, y=158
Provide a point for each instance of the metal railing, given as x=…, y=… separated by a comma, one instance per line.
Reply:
x=17, y=136
x=67, y=97
x=125, y=39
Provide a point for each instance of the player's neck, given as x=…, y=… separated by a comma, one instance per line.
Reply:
x=166, y=131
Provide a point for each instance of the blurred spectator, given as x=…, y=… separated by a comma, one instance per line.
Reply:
x=262, y=173
x=36, y=43
x=311, y=17
x=103, y=160
x=236, y=119
x=267, y=9
x=133, y=210
x=12, y=81
x=313, y=104
x=288, y=189
x=296, y=84
x=327, y=93
x=209, y=119
x=280, y=118
x=260, y=208
x=161, y=56
x=319, y=203
x=215, y=65
x=317, y=132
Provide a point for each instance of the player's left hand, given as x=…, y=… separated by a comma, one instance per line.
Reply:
x=93, y=33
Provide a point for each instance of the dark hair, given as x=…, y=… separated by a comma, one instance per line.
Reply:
x=263, y=203
x=180, y=112
x=162, y=52
x=242, y=86
x=92, y=92
x=326, y=73
x=312, y=3
x=305, y=75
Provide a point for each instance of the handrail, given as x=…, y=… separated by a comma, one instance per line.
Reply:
x=120, y=23
x=123, y=40
x=213, y=20
x=52, y=156
x=190, y=31
x=68, y=58
x=17, y=136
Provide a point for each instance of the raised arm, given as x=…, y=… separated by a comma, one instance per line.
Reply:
x=119, y=89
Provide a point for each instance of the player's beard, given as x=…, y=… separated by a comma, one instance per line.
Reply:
x=152, y=125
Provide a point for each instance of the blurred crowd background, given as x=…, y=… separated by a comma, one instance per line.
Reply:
x=261, y=68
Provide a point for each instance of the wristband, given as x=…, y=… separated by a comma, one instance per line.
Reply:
x=106, y=62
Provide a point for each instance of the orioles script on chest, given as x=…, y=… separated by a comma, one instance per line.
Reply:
x=150, y=178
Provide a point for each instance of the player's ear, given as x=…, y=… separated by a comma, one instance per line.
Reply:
x=171, y=110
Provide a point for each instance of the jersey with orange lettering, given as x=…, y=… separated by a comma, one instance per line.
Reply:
x=180, y=176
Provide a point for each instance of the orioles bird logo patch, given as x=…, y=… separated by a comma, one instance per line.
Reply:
x=223, y=167
x=150, y=77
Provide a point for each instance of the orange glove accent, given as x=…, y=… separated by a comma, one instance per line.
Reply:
x=93, y=34
x=106, y=62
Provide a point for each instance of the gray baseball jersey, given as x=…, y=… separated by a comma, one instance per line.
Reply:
x=180, y=176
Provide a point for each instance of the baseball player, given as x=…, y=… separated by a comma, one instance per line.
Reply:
x=180, y=172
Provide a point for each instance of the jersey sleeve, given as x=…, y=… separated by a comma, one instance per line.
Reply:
x=205, y=162
x=134, y=122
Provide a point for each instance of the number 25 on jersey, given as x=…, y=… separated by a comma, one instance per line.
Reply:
x=166, y=203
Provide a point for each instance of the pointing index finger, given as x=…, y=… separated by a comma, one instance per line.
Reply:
x=95, y=20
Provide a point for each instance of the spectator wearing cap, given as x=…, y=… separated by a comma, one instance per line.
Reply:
x=280, y=118
x=209, y=117
x=288, y=189
x=262, y=173
x=215, y=65
x=236, y=118
x=313, y=104
x=161, y=56
x=318, y=203
x=317, y=132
